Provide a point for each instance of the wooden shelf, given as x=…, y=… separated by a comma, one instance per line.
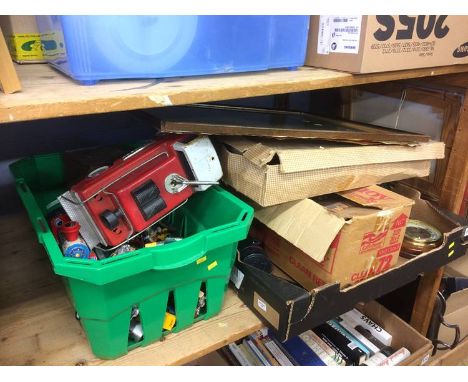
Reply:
x=48, y=94
x=37, y=324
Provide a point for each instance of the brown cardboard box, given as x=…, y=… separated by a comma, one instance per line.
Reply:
x=403, y=335
x=456, y=313
x=455, y=357
x=23, y=38
x=366, y=44
x=345, y=237
x=458, y=268
x=274, y=171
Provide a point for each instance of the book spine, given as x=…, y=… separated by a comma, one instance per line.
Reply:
x=302, y=353
x=258, y=353
x=317, y=349
x=259, y=343
x=368, y=344
x=339, y=354
x=235, y=350
x=336, y=356
x=352, y=339
x=285, y=352
x=396, y=358
x=277, y=353
x=249, y=354
x=352, y=351
x=227, y=354
x=376, y=330
x=375, y=360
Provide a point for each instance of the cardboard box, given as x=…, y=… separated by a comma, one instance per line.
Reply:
x=403, y=335
x=276, y=171
x=290, y=309
x=23, y=38
x=456, y=313
x=455, y=357
x=458, y=268
x=366, y=44
x=343, y=237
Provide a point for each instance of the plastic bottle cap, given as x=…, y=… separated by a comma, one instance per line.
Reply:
x=71, y=230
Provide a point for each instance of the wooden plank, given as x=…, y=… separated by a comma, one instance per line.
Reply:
x=37, y=324
x=456, y=176
x=9, y=81
x=48, y=93
x=425, y=300
x=454, y=357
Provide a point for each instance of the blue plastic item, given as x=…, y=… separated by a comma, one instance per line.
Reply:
x=93, y=48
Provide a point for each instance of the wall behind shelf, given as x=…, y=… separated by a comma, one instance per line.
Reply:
x=24, y=139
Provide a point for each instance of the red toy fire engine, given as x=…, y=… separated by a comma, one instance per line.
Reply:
x=115, y=203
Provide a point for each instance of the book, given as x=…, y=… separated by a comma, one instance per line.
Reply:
x=257, y=352
x=249, y=354
x=353, y=340
x=336, y=356
x=276, y=351
x=257, y=339
x=338, y=352
x=376, y=330
x=302, y=353
x=355, y=355
x=375, y=359
x=284, y=351
x=317, y=349
x=236, y=352
x=395, y=358
x=227, y=354
x=363, y=339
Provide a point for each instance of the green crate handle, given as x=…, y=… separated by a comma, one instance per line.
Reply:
x=44, y=234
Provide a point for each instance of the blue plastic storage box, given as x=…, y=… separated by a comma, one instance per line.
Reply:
x=93, y=48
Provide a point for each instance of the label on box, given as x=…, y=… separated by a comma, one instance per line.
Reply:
x=25, y=47
x=261, y=305
x=339, y=34
x=265, y=309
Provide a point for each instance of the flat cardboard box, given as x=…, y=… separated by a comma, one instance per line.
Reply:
x=366, y=44
x=290, y=309
x=458, y=268
x=23, y=38
x=455, y=357
x=343, y=237
x=270, y=171
x=456, y=313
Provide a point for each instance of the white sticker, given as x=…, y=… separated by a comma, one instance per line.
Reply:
x=352, y=345
x=339, y=34
x=466, y=233
x=425, y=359
x=236, y=277
x=323, y=43
x=261, y=305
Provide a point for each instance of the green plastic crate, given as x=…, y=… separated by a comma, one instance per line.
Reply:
x=104, y=292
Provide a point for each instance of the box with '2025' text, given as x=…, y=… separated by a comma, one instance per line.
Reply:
x=366, y=44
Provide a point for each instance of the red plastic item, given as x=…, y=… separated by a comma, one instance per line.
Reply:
x=71, y=230
x=134, y=193
x=56, y=222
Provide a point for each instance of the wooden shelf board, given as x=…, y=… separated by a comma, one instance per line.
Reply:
x=48, y=93
x=37, y=324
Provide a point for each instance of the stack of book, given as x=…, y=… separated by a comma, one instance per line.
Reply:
x=351, y=339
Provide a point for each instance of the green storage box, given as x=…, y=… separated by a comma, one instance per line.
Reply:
x=105, y=292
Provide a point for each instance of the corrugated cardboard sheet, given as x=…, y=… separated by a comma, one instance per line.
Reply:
x=272, y=172
x=311, y=227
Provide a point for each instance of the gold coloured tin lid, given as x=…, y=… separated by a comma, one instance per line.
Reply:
x=420, y=237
